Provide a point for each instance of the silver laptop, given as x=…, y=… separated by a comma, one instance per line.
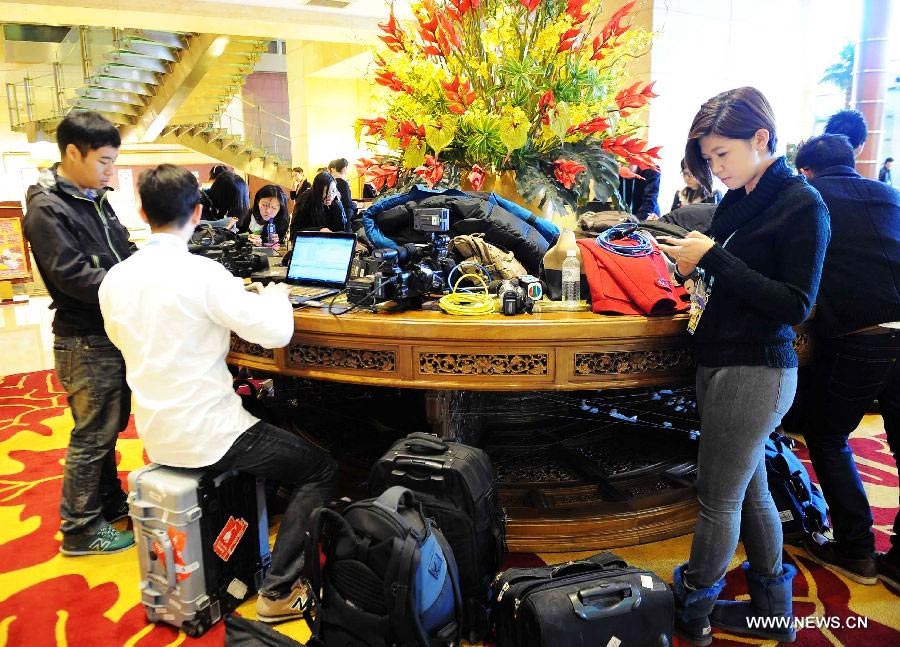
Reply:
x=320, y=265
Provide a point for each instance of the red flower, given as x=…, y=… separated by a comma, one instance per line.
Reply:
x=575, y=8
x=373, y=127
x=597, y=124
x=531, y=5
x=567, y=40
x=431, y=171
x=391, y=80
x=632, y=150
x=628, y=174
x=630, y=97
x=611, y=31
x=459, y=93
x=407, y=130
x=476, y=177
x=393, y=35
x=546, y=102
x=378, y=173
x=566, y=170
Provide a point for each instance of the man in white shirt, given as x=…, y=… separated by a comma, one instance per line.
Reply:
x=171, y=314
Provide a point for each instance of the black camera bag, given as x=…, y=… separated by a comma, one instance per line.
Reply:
x=599, y=600
x=456, y=485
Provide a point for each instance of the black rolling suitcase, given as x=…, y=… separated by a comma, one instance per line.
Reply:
x=456, y=485
x=595, y=601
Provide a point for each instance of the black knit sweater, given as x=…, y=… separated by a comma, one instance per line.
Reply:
x=767, y=275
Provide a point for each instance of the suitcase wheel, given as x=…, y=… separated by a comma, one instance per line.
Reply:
x=194, y=628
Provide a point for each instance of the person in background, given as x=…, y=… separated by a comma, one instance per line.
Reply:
x=692, y=193
x=852, y=125
x=756, y=276
x=884, y=173
x=214, y=171
x=268, y=221
x=857, y=352
x=171, y=313
x=301, y=184
x=338, y=170
x=76, y=238
x=639, y=194
x=226, y=202
x=319, y=209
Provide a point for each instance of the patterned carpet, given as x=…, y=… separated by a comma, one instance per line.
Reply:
x=47, y=599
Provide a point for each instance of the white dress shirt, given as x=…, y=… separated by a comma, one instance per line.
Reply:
x=171, y=314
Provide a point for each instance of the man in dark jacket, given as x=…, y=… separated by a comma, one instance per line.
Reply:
x=858, y=351
x=639, y=195
x=75, y=238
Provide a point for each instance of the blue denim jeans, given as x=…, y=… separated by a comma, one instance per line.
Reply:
x=270, y=452
x=739, y=407
x=849, y=373
x=92, y=372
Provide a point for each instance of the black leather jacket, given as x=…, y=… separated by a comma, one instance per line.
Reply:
x=75, y=240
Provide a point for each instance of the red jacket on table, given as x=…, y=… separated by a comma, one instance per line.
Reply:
x=630, y=285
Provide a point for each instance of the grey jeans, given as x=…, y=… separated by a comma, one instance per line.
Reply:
x=92, y=372
x=739, y=407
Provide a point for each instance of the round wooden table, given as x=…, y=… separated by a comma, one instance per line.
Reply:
x=546, y=351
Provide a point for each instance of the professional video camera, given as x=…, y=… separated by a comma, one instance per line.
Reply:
x=416, y=269
x=233, y=251
x=519, y=294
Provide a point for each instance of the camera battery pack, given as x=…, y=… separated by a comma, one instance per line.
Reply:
x=361, y=290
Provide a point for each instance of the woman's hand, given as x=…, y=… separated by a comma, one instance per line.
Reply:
x=325, y=229
x=255, y=240
x=687, y=251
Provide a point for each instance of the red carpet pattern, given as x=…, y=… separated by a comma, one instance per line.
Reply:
x=50, y=600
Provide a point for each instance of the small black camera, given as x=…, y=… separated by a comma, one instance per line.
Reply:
x=518, y=295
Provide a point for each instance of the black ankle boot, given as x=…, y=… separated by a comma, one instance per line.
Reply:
x=692, y=609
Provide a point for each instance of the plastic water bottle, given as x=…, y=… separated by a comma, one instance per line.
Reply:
x=571, y=280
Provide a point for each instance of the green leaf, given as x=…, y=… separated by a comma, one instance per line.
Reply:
x=560, y=120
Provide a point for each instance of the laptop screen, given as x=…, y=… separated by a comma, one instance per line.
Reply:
x=321, y=258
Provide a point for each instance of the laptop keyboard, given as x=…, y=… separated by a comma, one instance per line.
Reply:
x=309, y=292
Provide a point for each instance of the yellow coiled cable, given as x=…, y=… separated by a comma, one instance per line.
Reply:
x=467, y=303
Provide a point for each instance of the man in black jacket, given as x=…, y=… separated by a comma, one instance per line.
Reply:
x=858, y=351
x=75, y=238
x=639, y=194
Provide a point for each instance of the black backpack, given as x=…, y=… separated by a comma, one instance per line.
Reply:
x=456, y=485
x=389, y=577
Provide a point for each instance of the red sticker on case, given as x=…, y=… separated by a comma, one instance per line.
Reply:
x=229, y=537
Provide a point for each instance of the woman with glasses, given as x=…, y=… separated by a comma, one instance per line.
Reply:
x=693, y=192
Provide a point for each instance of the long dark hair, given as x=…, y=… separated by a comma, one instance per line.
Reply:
x=735, y=114
x=228, y=197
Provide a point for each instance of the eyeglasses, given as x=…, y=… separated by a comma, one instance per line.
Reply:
x=687, y=173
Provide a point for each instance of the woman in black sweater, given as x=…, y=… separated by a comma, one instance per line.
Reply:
x=756, y=276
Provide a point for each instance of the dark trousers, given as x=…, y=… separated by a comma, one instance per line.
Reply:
x=92, y=372
x=273, y=453
x=849, y=373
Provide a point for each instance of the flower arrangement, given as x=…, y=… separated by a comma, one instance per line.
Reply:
x=477, y=87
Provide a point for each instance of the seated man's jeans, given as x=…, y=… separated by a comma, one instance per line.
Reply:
x=849, y=374
x=92, y=372
x=309, y=471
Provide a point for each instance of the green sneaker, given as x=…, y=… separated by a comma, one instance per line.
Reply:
x=104, y=541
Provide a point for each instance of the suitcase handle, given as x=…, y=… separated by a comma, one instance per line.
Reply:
x=162, y=537
x=419, y=443
x=581, y=600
